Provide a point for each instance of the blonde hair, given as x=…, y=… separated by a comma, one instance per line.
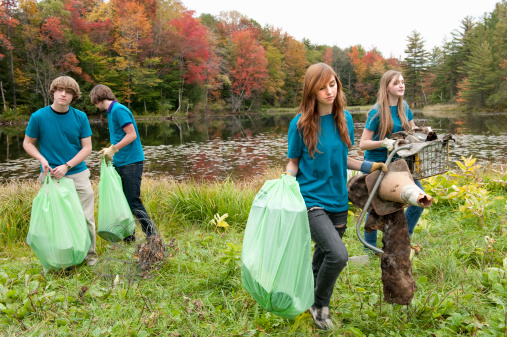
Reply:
x=386, y=123
x=316, y=77
x=100, y=93
x=65, y=83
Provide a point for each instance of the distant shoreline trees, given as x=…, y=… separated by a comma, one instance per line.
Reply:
x=159, y=57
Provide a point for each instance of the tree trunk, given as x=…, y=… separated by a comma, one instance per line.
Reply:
x=180, y=87
x=3, y=96
x=12, y=72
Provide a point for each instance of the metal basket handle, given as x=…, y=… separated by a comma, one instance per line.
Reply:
x=370, y=198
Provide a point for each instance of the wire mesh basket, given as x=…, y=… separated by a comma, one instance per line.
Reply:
x=431, y=160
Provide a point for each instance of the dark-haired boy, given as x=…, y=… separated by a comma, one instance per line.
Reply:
x=125, y=151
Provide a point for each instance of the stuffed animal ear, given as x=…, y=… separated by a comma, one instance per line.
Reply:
x=358, y=193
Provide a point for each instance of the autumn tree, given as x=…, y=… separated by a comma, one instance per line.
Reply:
x=8, y=21
x=192, y=51
x=248, y=68
x=294, y=67
x=327, y=57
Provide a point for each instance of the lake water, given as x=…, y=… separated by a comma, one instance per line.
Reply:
x=244, y=146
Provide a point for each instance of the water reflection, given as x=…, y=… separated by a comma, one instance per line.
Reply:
x=244, y=146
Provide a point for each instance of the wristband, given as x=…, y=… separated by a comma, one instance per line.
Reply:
x=366, y=166
x=291, y=173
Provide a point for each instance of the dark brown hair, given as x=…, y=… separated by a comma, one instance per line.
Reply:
x=100, y=93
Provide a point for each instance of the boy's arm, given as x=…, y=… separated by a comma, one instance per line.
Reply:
x=31, y=149
x=129, y=137
x=86, y=150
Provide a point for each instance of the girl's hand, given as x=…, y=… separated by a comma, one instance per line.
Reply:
x=378, y=166
x=389, y=144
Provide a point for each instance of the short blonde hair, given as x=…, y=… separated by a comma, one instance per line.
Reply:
x=100, y=93
x=65, y=83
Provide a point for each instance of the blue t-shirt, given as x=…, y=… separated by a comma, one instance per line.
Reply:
x=322, y=180
x=59, y=135
x=119, y=116
x=372, y=124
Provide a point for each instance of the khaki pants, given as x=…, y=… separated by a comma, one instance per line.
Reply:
x=85, y=193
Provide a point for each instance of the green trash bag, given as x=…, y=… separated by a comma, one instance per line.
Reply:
x=115, y=217
x=276, y=262
x=58, y=233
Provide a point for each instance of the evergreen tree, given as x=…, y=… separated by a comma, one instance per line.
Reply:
x=479, y=68
x=414, y=68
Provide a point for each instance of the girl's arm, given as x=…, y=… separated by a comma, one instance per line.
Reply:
x=412, y=124
x=367, y=143
x=293, y=166
x=364, y=166
x=354, y=164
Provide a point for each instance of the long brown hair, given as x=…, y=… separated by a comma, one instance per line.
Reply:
x=386, y=123
x=316, y=77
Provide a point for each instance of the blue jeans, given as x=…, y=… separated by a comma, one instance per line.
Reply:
x=412, y=214
x=330, y=255
x=131, y=176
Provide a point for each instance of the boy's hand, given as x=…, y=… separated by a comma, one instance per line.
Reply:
x=108, y=152
x=59, y=171
x=45, y=165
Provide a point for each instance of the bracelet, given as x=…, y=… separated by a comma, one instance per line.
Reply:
x=289, y=171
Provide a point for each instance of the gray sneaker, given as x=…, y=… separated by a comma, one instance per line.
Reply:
x=360, y=259
x=321, y=317
x=325, y=316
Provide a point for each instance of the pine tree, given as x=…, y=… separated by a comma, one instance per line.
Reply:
x=414, y=68
x=480, y=74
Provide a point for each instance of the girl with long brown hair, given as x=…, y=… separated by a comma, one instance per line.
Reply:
x=389, y=115
x=319, y=139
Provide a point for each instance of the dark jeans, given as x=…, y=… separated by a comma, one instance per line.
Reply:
x=131, y=176
x=330, y=255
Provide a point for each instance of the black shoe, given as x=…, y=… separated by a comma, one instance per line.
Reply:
x=130, y=238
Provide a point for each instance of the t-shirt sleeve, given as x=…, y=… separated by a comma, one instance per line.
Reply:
x=123, y=117
x=350, y=126
x=373, y=120
x=32, y=129
x=408, y=112
x=86, y=130
x=294, y=140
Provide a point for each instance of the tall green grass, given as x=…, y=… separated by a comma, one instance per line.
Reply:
x=460, y=274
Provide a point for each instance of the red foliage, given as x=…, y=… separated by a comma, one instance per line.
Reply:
x=8, y=20
x=52, y=31
x=77, y=10
x=69, y=63
x=192, y=45
x=249, y=70
x=327, y=57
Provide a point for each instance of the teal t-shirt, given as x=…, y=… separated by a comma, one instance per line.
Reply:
x=322, y=180
x=372, y=124
x=119, y=116
x=59, y=135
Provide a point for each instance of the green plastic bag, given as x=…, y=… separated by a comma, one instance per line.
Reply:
x=115, y=217
x=276, y=262
x=58, y=233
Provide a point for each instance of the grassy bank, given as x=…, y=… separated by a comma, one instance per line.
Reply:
x=460, y=270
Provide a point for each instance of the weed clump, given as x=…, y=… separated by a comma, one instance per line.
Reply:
x=150, y=254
